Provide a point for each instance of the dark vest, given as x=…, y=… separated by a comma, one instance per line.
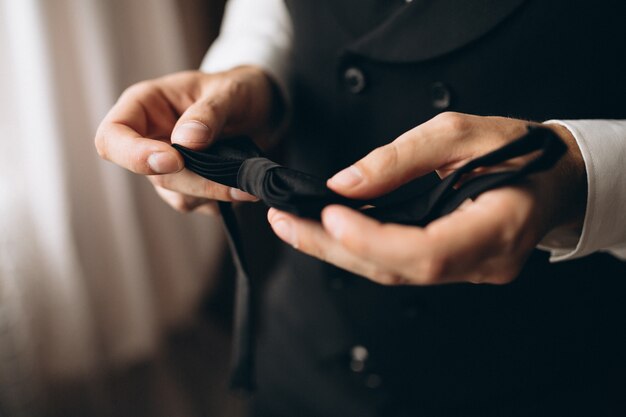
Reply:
x=365, y=71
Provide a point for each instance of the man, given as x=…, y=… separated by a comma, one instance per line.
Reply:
x=355, y=75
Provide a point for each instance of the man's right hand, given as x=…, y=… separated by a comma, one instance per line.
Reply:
x=192, y=109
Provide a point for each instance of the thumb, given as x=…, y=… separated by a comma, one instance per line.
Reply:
x=386, y=168
x=200, y=124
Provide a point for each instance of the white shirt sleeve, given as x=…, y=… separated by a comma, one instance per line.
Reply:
x=254, y=32
x=603, y=147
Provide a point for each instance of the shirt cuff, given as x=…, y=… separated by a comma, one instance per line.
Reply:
x=254, y=32
x=603, y=147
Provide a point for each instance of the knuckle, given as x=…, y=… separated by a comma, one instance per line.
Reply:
x=158, y=181
x=387, y=278
x=452, y=121
x=139, y=89
x=138, y=163
x=307, y=245
x=511, y=238
x=476, y=279
x=506, y=276
x=355, y=242
x=314, y=250
x=382, y=158
x=180, y=204
x=509, y=241
x=208, y=209
x=482, y=277
x=497, y=274
x=212, y=107
x=175, y=200
x=233, y=87
x=432, y=270
x=190, y=75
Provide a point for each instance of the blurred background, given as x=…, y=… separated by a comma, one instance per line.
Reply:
x=111, y=303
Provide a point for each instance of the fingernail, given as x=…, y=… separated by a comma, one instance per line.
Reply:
x=163, y=163
x=349, y=177
x=191, y=133
x=284, y=230
x=238, y=195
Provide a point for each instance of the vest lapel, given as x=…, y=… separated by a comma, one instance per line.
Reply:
x=425, y=29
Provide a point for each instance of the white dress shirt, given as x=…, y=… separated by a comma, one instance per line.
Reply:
x=259, y=32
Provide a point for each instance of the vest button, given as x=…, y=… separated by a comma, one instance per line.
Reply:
x=355, y=80
x=358, y=358
x=440, y=96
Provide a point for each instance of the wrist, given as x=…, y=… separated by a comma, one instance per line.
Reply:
x=568, y=185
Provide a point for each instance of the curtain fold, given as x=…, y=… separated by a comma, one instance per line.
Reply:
x=94, y=268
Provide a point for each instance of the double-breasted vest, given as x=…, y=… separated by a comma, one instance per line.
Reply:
x=365, y=71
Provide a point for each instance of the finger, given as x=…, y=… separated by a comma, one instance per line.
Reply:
x=486, y=242
x=121, y=137
x=417, y=152
x=309, y=237
x=208, y=209
x=227, y=100
x=389, y=246
x=443, y=143
x=184, y=204
x=178, y=201
x=187, y=182
x=198, y=126
x=473, y=245
x=125, y=147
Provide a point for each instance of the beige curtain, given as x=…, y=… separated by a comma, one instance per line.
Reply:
x=94, y=268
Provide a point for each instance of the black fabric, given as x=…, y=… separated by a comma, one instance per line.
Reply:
x=238, y=163
x=242, y=373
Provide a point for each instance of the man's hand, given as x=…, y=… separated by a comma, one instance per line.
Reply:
x=192, y=109
x=484, y=241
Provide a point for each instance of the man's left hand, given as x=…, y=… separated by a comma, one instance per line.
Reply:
x=484, y=241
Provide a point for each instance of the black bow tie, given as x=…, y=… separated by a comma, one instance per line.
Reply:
x=239, y=163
